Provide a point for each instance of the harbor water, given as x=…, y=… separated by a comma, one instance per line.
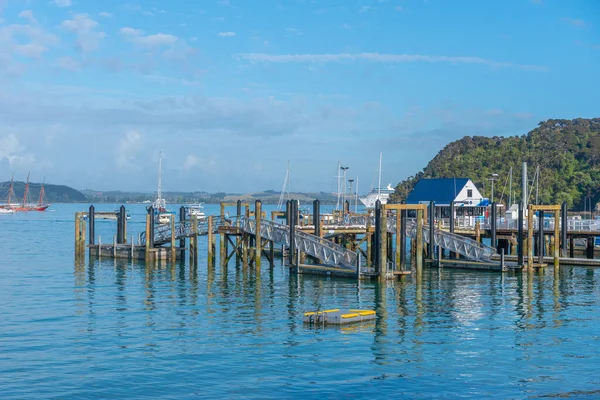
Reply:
x=116, y=329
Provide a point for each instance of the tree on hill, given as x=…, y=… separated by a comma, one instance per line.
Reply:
x=566, y=151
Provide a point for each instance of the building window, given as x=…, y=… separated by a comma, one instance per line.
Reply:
x=469, y=193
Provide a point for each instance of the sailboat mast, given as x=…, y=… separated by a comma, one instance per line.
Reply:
x=510, y=187
x=41, y=199
x=26, y=190
x=379, y=185
x=356, y=198
x=159, y=194
x=283, y=189
x=339, y=189
x=10, y=190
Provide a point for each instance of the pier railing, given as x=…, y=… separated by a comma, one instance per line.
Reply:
x=183, y=229
x=328, y=252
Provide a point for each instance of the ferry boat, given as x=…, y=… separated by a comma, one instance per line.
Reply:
x=381, y=194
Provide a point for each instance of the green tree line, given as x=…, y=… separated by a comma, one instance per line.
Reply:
x=566, y=151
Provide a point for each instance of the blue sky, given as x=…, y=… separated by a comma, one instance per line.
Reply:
x=231, y=90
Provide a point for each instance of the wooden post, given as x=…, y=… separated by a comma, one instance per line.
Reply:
x=477, y=232
x=452, y=223
x=123, y=216
x=564, y=227
x=529, y=238
x=173, y=246
x=541, y=242
x=195, y=237
x=557, y=240
x=82, y=241
x=431, y=246
x=244, y=250
x=272, y=254
x=377, y=238
x=114, y=246
x=92, y=225
x=419, y=240
x=77, y=234
x=383, y=258
x=148, y=227
x=403, y=215
x=258, y=241
x=182, y=221
x=210, y=241
x=398, y=237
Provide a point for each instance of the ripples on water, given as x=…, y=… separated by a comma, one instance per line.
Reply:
x=106, y=329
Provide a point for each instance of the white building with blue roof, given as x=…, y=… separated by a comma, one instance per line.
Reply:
x=467, y=199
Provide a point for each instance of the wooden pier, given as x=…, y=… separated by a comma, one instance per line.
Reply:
x=353, y=246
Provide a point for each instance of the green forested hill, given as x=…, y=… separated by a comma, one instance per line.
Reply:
x=567, y=152
x=54, y=193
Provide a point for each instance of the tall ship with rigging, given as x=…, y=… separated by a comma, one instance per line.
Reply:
x=26, y=204
x=379, y=193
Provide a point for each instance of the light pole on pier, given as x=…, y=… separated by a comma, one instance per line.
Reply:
x=344, y=192
x=493, y=178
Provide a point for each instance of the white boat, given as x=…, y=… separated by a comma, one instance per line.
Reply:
x=195, y=209
x=161, y=213
x=6, y=210
x=165, y=218
x=378, y=193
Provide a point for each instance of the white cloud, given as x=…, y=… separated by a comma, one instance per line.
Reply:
x=105, y=14
x=137, y=37
x=23, y=40
x=190, y=162
x=13, y=151
x=62, y=3
x=224, y=2
x=88, y=39
x=226, y=34
x=28, y=15
x=68, y=63
x=364, y=9
x=127, y=149
x=379, y=58
x=398, y=8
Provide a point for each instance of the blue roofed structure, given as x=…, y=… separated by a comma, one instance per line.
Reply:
x=442, y=191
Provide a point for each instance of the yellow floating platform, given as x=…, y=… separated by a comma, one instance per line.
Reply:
x=338, y=317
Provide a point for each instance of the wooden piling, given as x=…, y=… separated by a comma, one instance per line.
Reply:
x=148, y=227
x=419, y=240
x=194, y=242
x=383, y=244
x=77, y=234
x=530, y=238
x=557, y=240
x=210, y=241
x=258, y=238
x=398, y=237
x=173, y=246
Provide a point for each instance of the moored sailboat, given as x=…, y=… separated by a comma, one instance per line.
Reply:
x=161, y=213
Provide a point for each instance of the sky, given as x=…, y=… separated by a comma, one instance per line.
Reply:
x=231, y=90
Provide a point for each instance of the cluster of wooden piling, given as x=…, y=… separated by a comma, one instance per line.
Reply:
x=380, y=253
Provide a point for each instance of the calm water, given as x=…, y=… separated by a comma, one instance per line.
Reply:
x=121, y=330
